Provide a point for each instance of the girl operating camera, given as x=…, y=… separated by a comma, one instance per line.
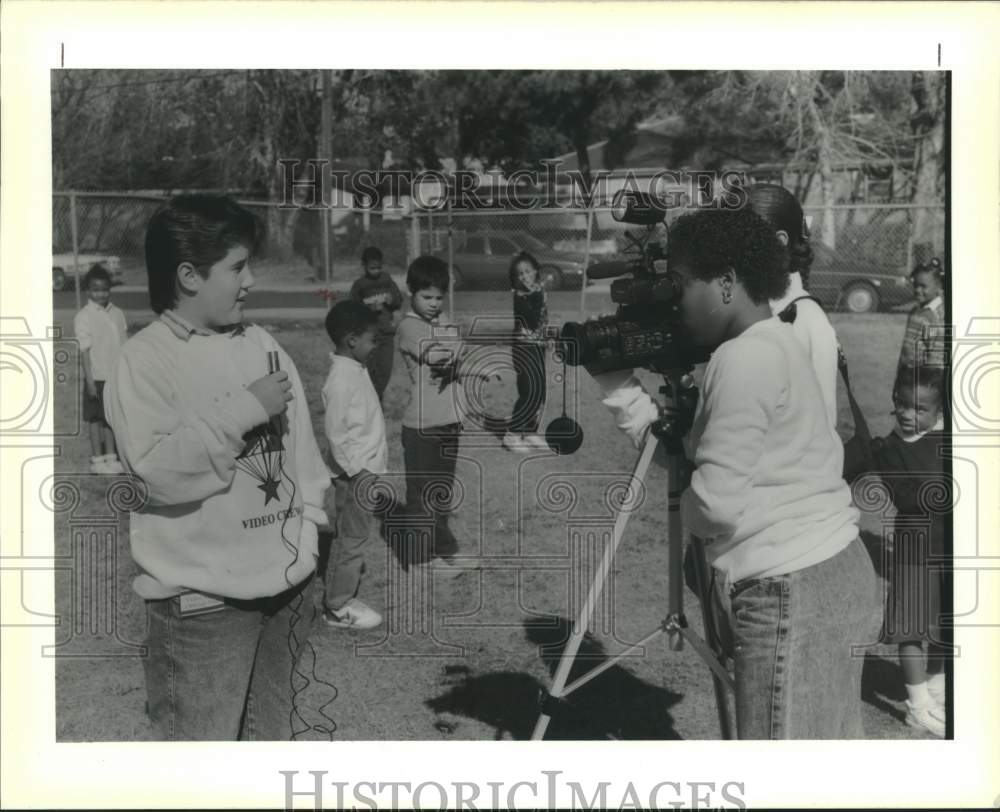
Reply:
x=766, y=492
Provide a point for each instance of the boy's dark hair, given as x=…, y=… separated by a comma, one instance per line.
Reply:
x=97, y=272
x=933, y=267
x=349, y=318
x=712, y=240
x=371, y=254
x=779, y=208
x=523, y=256
x=199, y=229
x=910, y=377
x=427, y=272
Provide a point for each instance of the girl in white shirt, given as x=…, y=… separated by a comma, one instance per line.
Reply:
x=779, y=208
x=766, y=493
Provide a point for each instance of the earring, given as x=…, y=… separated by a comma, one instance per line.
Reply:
x=727, y=296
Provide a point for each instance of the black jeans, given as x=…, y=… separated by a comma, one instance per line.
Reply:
x=429, y=457
x=380, y=362
x=529, y=366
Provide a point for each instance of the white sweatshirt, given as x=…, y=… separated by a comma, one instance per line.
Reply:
x=354, y=424
x=227, y=515
x=103, y=331
x=767, y=494
x=817, y=337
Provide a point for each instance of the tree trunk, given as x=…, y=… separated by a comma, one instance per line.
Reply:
x=928, y=100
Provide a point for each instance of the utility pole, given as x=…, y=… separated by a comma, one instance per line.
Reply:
x=326, y=124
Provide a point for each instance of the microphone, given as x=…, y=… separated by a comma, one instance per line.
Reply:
x=564, y=435
x=273, y=364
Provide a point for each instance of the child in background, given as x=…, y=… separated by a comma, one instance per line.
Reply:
x=924, y=343
x=226, y=539
x=528, y=355
x=378, y=291
x=355, y=429
x=910, y=461
x=101, y=330
x=431, y=422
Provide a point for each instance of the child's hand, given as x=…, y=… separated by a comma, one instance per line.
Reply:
x=438, y=355
x=273, y=391
x=91, y=389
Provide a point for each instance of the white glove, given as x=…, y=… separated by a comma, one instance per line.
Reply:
x=632, y=407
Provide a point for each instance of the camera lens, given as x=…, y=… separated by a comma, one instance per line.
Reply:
x=571, y=342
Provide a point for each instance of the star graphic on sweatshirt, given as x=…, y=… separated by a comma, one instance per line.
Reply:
x=270, y=488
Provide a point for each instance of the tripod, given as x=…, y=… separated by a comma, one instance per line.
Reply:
x=673, y=423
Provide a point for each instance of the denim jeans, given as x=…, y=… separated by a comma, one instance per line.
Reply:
x=429, y=457
x=529, y=367
x=380, y=363
x=347, y=551
x=796, y=674
x=228, y=674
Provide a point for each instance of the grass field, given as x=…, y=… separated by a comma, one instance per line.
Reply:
x=473, y=666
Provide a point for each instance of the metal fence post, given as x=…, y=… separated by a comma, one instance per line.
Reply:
x=586, y=262
x=414, y=249
x=76, y=246
x=451, y=265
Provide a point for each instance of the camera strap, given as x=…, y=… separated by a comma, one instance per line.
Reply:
x=791, y=311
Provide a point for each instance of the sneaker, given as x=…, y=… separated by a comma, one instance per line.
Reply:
x=97, y=466
x=113, y=465
x=536, y=441
x=445, y=567
x=354, y=614
x=928, y=717
x=516, y=443
x=935, y=687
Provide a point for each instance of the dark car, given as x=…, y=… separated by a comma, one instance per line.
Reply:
x=845, y=283
x=482, y=258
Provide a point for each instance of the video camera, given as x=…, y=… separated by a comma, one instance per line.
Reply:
x=646, y=331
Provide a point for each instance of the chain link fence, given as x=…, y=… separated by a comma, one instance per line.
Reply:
x=863, y=252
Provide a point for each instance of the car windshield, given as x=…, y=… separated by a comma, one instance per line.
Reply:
x=531, y=243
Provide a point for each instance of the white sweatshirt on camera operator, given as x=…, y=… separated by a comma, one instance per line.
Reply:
x=767, y=494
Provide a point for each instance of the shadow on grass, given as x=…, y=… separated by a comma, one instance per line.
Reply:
x=616, y=704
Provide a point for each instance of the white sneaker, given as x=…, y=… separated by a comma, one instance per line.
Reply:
x=516, y=443
x=536, y=441
x=354, y=614
x=926, y=717
x=445, y=567
x=113, y=465
x=97, y=466
x=935, y=687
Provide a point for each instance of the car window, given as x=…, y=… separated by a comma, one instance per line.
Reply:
x=475, y=245
x=532, y=243
x=503, y=246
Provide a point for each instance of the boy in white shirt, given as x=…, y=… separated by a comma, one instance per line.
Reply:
x=355, y=429
x=210, y=414
x=101, y=330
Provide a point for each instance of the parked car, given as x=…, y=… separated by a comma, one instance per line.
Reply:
x=844, y=283
x=63, y=268
x=482, y=259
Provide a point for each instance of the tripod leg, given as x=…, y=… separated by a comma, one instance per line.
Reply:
x=675, y=548
x=583, y=621
x=711, y=635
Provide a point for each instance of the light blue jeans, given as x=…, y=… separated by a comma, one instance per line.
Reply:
x=798, y=645
x=229, y=674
